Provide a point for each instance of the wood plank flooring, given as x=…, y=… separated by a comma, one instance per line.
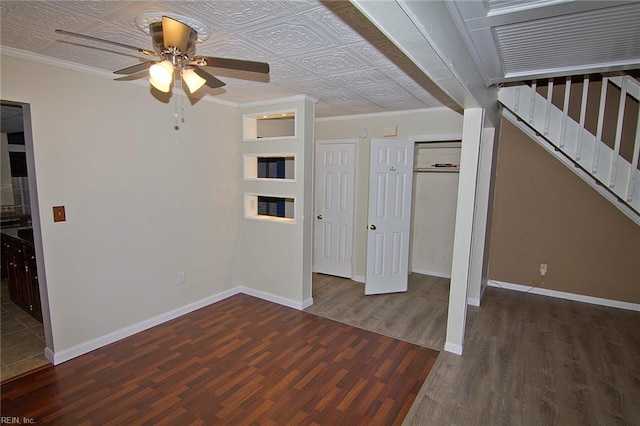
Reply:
x=239, y=361
x=528, y=359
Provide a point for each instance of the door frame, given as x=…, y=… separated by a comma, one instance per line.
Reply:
x=355, y=143
x=36, y=224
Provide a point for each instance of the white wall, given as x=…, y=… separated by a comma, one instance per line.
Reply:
x=436, y=121
x=143, y=201
x=276, y=254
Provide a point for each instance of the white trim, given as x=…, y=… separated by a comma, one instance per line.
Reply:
x=466, y=218
x=358, y=279
x=567, y=296
x=271, y=102
x=83, y=348
x=49, y=355
x=597, y=68
x=75, y=351
x=453, y=348
x=431, y=273
x=55, y=62
x=384, y=114
x=473, y=301
x=48, y=60
x=277, y=299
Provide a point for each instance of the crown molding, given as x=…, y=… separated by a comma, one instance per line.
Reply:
x=269, y=102
x=386, y=114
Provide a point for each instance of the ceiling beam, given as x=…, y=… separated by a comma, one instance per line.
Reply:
x=427, y=35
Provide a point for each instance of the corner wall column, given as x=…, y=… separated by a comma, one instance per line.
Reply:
x=463, y=238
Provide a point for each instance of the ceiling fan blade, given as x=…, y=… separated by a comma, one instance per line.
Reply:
x=135, y=68
x=176, y=34
x=211, y=81
x=235, y=64
x=114, y=43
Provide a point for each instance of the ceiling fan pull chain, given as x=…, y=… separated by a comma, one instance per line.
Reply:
x=175, y=113
x=176, y=126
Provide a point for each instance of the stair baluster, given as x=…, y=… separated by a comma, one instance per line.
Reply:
x=583, y=115
x=565, y=112
x=613, y=172
x=596, y=146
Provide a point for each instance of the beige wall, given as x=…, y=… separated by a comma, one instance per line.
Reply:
x=425, y=122
x=543, y=213
x=143, y=201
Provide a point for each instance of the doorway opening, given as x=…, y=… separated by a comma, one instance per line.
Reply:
x=23, y=339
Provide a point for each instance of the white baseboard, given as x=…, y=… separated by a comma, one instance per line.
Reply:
x=358, y=278
x=568, y=296
x=83, y=348
x=473, y=301
x=453, y=348
x=49, y=355
x=432, y=273
x=277, y=299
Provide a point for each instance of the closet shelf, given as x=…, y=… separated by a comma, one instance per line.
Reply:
x=436, y=169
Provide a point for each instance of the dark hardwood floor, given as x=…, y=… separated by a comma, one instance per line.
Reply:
x=528, y=359
x=239, y=361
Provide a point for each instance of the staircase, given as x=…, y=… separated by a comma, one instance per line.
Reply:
x=610, y=168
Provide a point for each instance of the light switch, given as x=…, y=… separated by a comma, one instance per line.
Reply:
x=59, y=214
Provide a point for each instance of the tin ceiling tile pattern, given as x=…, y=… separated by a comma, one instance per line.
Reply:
x=314, y=47
x=563, y=41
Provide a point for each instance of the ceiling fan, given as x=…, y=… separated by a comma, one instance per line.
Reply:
x=174, y=46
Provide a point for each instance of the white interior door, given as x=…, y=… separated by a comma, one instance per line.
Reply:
x=390, y=186
x=334, y=208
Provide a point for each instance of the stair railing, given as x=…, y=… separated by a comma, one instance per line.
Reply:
x=589, y=151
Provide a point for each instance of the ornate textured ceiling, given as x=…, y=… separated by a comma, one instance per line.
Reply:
x=324, y=49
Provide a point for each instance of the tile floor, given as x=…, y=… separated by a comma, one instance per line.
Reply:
x=22, y=338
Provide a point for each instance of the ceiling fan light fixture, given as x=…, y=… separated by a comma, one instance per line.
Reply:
x=160, y=86
x=162, y=72
x=193, y=80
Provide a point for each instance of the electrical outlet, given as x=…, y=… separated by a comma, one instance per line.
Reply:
x=543, y=269
x=181, y=277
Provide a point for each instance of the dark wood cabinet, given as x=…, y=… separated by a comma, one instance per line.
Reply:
x=19, y=262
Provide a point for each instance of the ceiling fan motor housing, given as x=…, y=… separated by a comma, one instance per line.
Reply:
x=157, y=39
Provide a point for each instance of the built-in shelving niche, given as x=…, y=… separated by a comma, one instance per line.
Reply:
x=269, y=125
x=277, y=167
x=273, y=208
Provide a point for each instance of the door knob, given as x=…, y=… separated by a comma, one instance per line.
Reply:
x=320, y=216
x=373, y=227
